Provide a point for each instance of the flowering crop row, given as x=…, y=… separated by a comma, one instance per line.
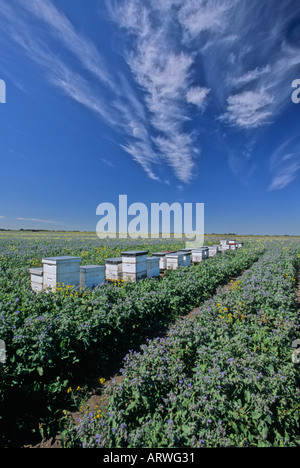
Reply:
x=55, y=339
x=225, y=378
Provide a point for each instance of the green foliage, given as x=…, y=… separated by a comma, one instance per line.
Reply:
x=224, y=379
x=55, y=340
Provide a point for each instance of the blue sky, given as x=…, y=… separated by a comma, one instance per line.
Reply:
x=162, y=100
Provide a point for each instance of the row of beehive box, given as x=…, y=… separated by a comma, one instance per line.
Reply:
x=229, y=244
x=132, y=265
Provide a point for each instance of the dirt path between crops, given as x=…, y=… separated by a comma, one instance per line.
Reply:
x=95, y=396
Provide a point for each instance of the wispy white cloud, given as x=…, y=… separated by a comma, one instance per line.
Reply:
x=162, y=70
x=1, y=217
x=197, y=16
x=285, y=164
x=77, y=43
x=70, y=82
x=184, y=57
x=38, y=220
x=107, y=162
x=285, y=175
x=251, y=75
x=248, y=109
x=197, y=95
x=118, y=106
x=18, y=154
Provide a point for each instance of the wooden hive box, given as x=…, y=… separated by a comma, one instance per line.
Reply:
x=213, y=250
x=187, y=257
x=223, y=248
x=36, y=277
x=113, y=269
x=223, y=242
x=63, y=271
x=174, y=260
x=92, y=275
x=134, y=265
x=205, y=253
x=153, y=269
x=199, y=254
x=162, y=258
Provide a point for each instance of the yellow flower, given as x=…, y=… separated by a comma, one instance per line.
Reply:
x=69, y=390
x=102, y=380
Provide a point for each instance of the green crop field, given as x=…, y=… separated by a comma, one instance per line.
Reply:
x=223, y=376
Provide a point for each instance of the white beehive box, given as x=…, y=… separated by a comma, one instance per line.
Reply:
x=134, y=265
x=63, y=271
x=92, y=275
x=239, y=245
x=36, y=278
x=113, y=269
x=213, y=250
x=187, y=257
x=196, y=256
x=153, y=267
x=162, y=259
x=174, y=260
x=223, y=242
x=205, y=253
x=199, y=254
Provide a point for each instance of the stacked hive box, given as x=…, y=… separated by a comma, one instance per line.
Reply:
x=61, y=271
x=232, y=244
x=224, y=245
x=91, y=275
x=239, y=245
x=153, y=267
x=134, y=265
x=175, y=260
x=113, y=269
x=36, y=275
